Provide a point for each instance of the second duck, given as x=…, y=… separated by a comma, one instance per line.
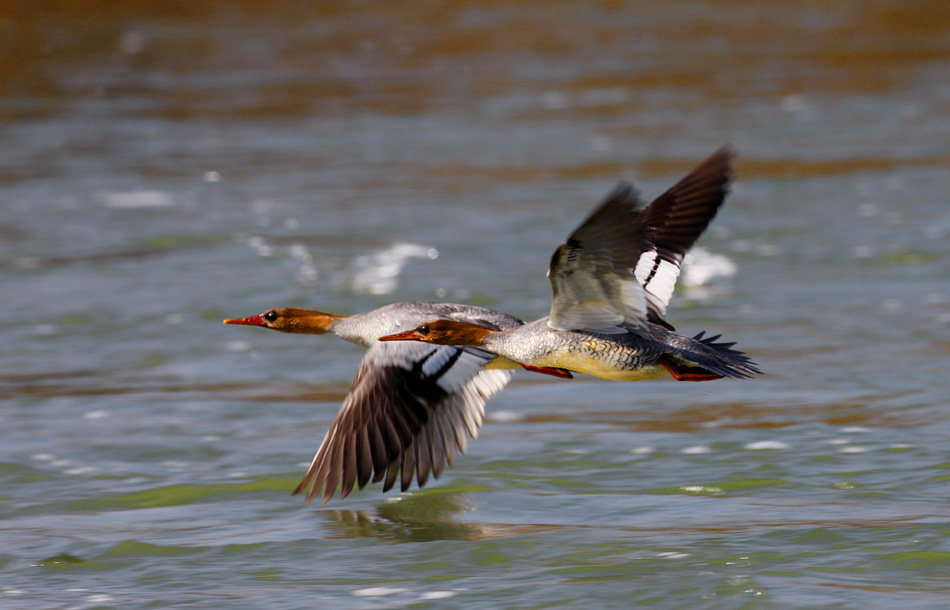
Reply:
x=611, y=281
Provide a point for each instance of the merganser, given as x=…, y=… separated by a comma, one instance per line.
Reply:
x=611, y=282
x=410, y=405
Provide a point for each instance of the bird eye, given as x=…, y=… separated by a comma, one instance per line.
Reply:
x=424, y=329
x=270, y=316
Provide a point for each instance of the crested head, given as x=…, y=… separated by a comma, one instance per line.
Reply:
x=445, y=332
x=290, y=320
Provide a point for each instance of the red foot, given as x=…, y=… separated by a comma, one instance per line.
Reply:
x=694, y=373
x=548, y=370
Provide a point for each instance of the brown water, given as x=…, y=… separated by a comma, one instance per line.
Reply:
x=166, y=165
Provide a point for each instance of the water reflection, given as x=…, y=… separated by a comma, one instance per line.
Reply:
x=420, y=516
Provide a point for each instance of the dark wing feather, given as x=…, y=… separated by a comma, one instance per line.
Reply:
x=590, y=277
x=673, y=222
x=406, y=415
x=617, y=270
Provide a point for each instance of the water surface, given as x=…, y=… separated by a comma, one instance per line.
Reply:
x=166, y=166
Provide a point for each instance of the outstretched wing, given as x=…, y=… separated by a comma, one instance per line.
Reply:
x=673, y=223
x=407, y=414
x=592, y=286
x=617, y=270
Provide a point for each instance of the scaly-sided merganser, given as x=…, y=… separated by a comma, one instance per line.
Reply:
x=410, y=405
x=612, y=280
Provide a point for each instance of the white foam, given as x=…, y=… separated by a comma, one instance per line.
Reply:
x=100, y=598
x=377, y=273
x=238, y=346
x=853, y=449
x=138, y=199
x=798, y=105
x=700, y=266
x=307, y=271
x=438, y=594
x=82, y=470
x=767, y=445
x=378, y=591
x=697, y=489
x=505, y=416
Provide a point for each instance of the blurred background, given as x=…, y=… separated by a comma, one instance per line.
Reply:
x=164, y=165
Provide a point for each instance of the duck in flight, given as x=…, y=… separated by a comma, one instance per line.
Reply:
x=421, y=388
x=611, y=282
x=410, y=407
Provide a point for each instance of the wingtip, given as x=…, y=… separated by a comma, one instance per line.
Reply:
x=724, y=156
x=725, y=150
x=623, y=189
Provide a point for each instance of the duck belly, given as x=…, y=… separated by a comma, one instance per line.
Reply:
x=604, y=360
x=502, y=362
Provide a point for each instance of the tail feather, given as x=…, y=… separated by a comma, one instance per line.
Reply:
x=701, y=357
x=721, y=358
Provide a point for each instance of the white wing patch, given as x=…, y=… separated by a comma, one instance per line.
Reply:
x=452, y=369
x=658, y=277
x=663, y=282
x=435, y=360
x=645, y=266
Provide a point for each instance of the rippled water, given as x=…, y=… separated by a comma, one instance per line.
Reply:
x=166, y=166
